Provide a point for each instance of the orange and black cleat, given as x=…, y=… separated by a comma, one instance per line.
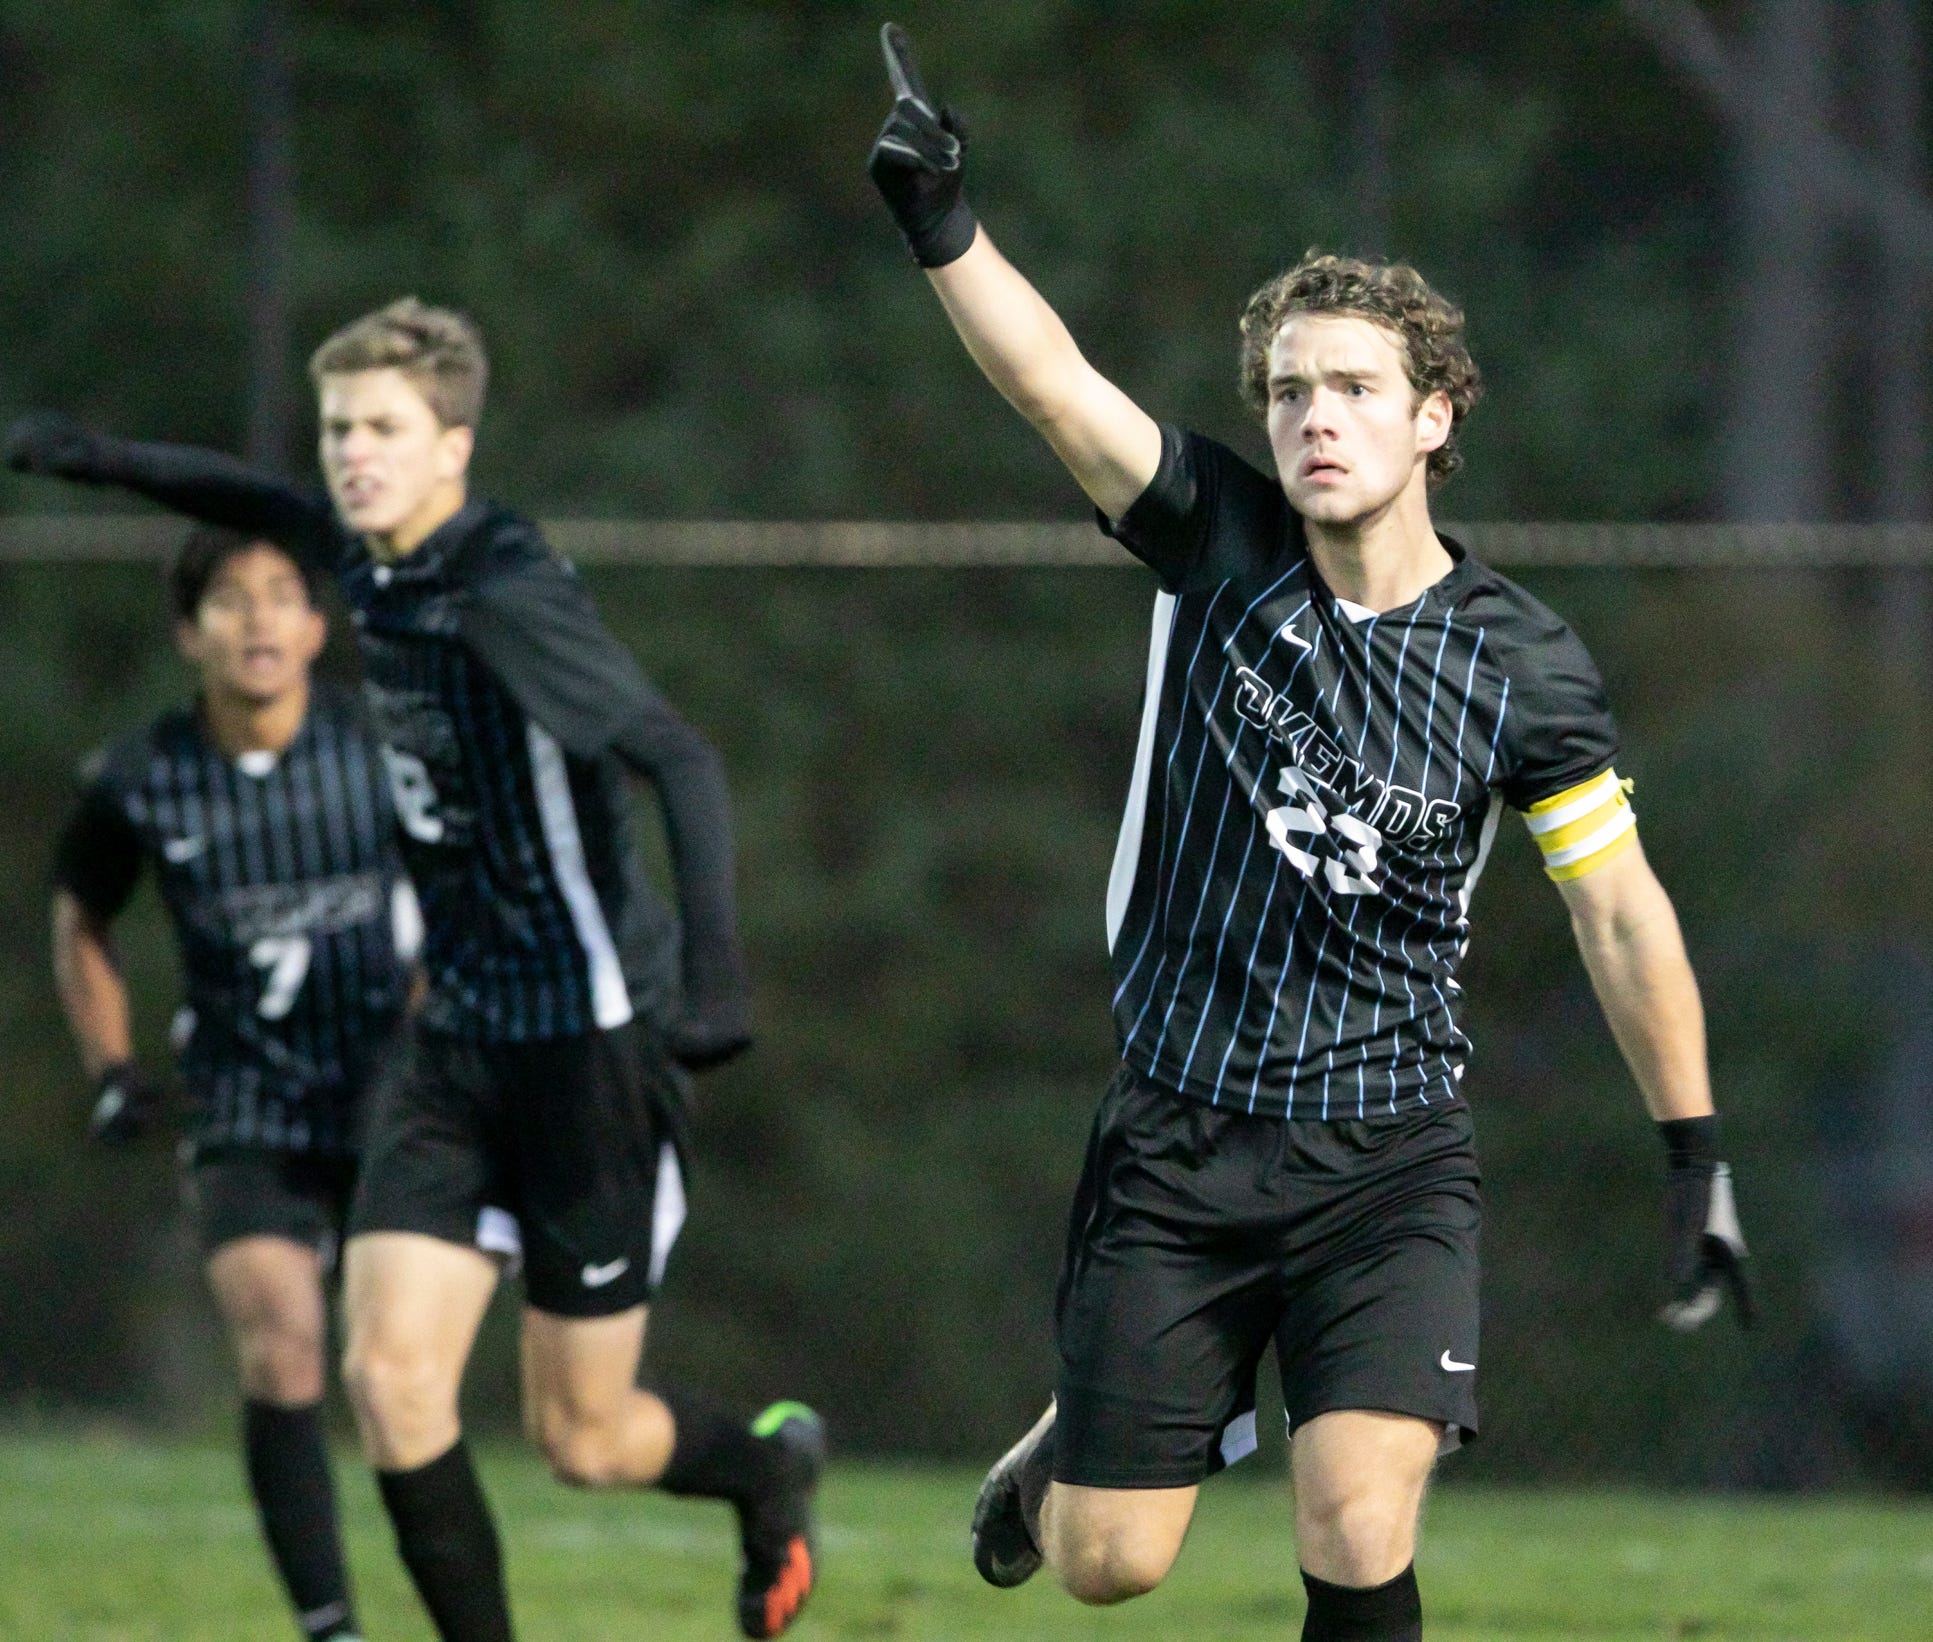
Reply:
x=780, y=1561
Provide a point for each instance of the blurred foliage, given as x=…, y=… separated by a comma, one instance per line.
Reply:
x=695, y=305
x=929, y=768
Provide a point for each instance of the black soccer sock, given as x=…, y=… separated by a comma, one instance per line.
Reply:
x=1391, y=1612
x=715, y=1454
x=448, y=1541
x=287, y=1454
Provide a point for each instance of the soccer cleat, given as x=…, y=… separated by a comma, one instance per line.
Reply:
x=776, y=1528
x=1006, y=1516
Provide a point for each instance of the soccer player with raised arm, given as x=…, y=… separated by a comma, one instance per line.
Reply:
x=264, y=815
x=1341, y=704
x=542, y=1107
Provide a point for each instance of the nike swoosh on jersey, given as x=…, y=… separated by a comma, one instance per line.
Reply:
x=595, y=1277
x=1452, y=1366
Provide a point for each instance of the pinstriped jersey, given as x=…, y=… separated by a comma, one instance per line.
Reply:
x=538, y=921
x=280, y=876
x=1316, y=787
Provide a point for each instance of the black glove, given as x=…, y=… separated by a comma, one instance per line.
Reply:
x=710, y=1034
x=915, y=162
x=52, y=443
x=126, y=1105
x=1707, y=1247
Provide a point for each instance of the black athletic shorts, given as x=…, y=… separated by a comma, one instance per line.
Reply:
x=1198, y=1235
x=565, y=1152
x=250, y=1191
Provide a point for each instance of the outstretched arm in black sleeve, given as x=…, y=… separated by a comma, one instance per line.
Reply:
x=203, y=484
x=537, y=630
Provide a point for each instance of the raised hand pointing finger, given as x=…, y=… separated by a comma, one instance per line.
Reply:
x=902, y=70
x=915, y=161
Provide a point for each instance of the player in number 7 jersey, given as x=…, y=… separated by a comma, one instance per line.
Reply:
x=541, y=1108
x=1341, y=704
x=263, y=814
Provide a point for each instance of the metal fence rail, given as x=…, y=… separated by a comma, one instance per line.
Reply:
x=970, y=543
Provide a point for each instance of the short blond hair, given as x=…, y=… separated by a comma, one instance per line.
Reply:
x=438, y=349
x=1390, y=294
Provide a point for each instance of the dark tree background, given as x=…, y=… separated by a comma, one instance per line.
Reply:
x=1671, y=226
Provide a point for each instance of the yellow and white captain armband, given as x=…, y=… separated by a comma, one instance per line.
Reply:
x=1580, y=829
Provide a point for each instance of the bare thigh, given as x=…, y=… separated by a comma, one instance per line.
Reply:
x=412, y=1306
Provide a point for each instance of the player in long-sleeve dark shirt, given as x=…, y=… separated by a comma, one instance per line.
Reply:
x=541, y=1109
x=476, y=638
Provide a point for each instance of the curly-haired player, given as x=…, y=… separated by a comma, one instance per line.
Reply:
x=1340, y=706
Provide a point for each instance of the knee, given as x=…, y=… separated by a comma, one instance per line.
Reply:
x=1114, y=1565
x=1103, y=1576
x=581, y=1453
x=283, y=1367
x=1360, y=1537
x=395, y=1390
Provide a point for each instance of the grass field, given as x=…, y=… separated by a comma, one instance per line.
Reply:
x=103, y=1539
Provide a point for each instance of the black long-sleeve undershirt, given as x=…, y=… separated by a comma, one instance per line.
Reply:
x=217, y=489
x=538, y=632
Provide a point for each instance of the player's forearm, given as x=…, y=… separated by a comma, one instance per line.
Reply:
x=1637, y=963
x=211, y=486
x=1024, y=349
x=689, y=777
x=93, y=993
x=1016, y=339
x=1112, y=448
x=203, y=484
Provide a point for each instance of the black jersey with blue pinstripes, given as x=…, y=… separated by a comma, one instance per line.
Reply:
x=1315, y=790
x=538, y=922
x=279, y=873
